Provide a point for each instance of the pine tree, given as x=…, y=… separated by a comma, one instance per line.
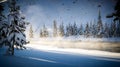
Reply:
x=41, y=33
x=87, y=30
x=2, y=17
x=17, y=26
x=116, y=13
x=70, y=30
x=106, y=30
x=54, y=28
x=3, y=26
x=45, y=31
x=116, y=16
x=99, y=24
x=61, y=30
x=75, y=29
x=113, y=29
x=80, y=30
x=118, y=30
x=94, y=29
x=94, y=32
x=67, y=30
x=31, y=32
x=91, y=29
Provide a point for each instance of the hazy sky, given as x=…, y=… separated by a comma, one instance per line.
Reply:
x=39, y=12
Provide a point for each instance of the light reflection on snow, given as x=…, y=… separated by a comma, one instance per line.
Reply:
x=39, y=59
x=73, y=51
x=63, y=46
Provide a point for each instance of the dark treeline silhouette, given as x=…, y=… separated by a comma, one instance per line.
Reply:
x=90, y=29
x=116, y=16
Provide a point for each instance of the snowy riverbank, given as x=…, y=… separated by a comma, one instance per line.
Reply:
x=104, y=44
x=75, y=51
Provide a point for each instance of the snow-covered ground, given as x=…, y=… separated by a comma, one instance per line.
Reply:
x=39, y=55
x=47, y=53
x=76, y=45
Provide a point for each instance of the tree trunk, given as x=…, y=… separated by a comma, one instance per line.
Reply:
x=13, y=45
x=12, y=49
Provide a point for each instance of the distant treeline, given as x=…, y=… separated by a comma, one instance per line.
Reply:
x=92, y=29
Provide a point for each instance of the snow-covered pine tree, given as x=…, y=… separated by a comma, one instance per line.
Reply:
x=109, y=30
x=106, y=30
x=91, y=28
x=116, y=16
x=99, y=24
x=75, y=29
x=31, y=32
x=113, y=29
x=70, y=30
x=41, y=33
x=67, y=30
x=45, y=31
x=54, y=28
x=80, y=30
x=2, y=16
x=87, y=30
x=94, y=29
x=17, y=27
x=118, y=29
x=3, y=26
x=61, y=30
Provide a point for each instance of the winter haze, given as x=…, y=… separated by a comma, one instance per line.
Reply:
x=60, y=33
x=42, y=12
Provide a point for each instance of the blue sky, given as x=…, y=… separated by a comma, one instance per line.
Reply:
x=40, y=12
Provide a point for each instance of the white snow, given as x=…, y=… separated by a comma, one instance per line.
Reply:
x=39, y=59
x=74, y=51
x=78, y=38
